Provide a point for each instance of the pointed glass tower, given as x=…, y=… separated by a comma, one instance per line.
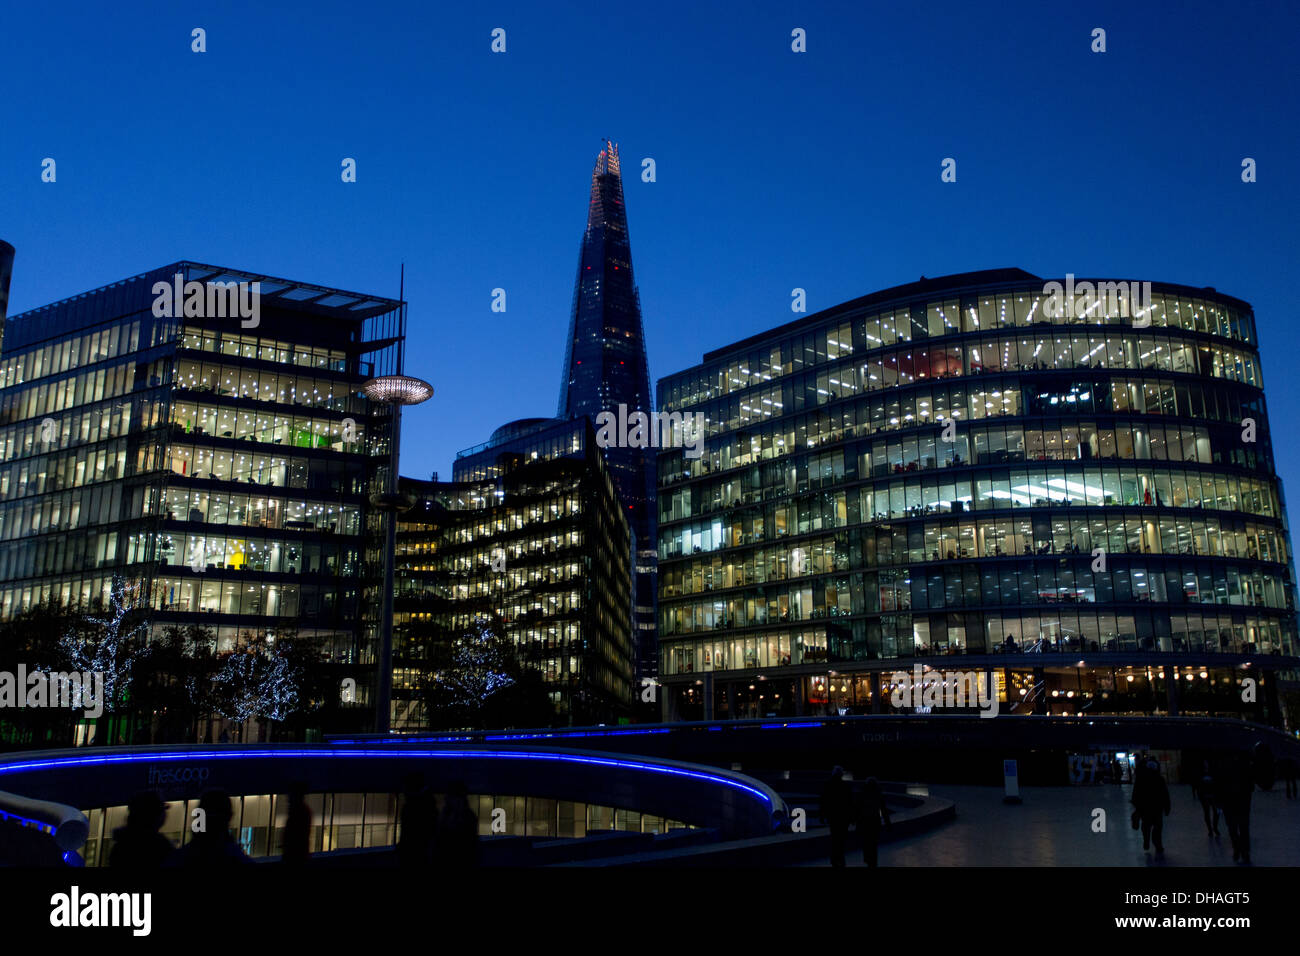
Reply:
x=605, y=367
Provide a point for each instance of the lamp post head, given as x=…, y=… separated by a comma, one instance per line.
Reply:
x=398, y=390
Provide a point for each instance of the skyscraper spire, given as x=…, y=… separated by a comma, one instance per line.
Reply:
x=605, y=367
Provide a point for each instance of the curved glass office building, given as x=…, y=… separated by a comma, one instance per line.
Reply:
x=1066, y=484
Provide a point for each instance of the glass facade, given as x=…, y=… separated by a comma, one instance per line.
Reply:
x=224, y=464
x=354, y=821
x=944, y=469
x=537, y=537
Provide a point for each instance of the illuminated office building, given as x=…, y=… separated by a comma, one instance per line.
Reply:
x=532, y=533
x=222, y=460
x=1081, y=500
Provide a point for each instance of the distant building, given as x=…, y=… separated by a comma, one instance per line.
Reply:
x=531, y=531
x=605, y=367
x=211, y=446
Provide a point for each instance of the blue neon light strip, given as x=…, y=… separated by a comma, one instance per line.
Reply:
x=540, y=735
x=229, y=754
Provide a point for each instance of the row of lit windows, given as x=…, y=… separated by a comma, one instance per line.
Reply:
x=794, y=434
x=264, y=350
x=297, y=431
x=117, y=338
x=73, y=469
x=996, y=445
x=967, y=586
x=960, y=491
x=284, y=388
x=484, y=462
x=57, y=554
x=909, y=367
x=200, y=553
x=907, y=635
x=918, y=542
x=919, y=322
x=84, y=388
x=280, y=600
x=226, y=508
x=259, y=468
x=79, y=507
x=87, y=424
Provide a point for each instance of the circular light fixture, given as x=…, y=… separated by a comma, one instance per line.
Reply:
x=398, y=390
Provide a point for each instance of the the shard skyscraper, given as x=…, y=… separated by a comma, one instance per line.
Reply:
x=605, y=367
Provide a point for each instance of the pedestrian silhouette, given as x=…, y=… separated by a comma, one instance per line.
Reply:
x=456, y=845
x=1287, y=767
x=837, y=812
x=419, y=818
x=138, y=845
x=1264, y=769
x=873, y=814
x=1205, y=789
x=213, y=846
x=296, y=848
x=1150, y=801
x=1236, y=785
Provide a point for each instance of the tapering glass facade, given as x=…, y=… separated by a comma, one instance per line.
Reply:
x=605, y=367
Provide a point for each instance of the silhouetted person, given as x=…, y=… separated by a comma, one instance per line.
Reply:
x=213, y=846
x=1151, y=801
x=837, y=812
x=456, y=844
x=872, y=815
x=419, y=819
x=1206, y=790
x=1287, y=767
x=138, y=845
x=1263, y=767
x=1235, y=788
x=296, y=849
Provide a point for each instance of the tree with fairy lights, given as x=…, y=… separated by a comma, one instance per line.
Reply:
x=110, y=645
x=265, y=678
x=477, y=679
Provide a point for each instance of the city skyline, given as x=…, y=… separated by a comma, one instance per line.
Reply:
x=740, y=212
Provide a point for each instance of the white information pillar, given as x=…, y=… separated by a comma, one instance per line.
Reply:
x=1011, y=781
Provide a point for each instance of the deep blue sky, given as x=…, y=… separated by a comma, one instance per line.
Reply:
x=775, y=169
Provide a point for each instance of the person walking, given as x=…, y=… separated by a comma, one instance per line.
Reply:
x=1150, y=801
x=873, y=814
x=1236, y=784
x=1204, y=789
x=837, y=813
x=1287, y=766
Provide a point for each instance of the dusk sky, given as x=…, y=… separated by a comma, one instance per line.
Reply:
x=775, y=169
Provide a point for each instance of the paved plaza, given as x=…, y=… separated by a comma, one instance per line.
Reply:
x=1053, y=827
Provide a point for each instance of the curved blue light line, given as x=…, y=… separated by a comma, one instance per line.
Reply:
x=228, y=754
